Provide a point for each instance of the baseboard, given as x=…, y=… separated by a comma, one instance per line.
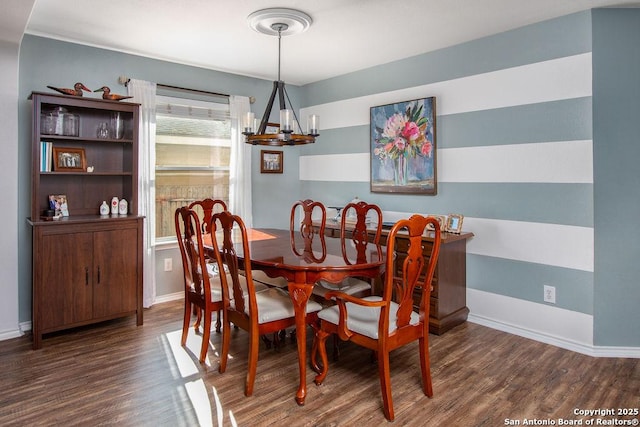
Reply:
x=594, y=351
x=169, y=297
x=7, y=335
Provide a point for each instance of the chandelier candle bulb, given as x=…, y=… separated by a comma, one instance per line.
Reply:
x=313, y=123
x=286, y=120
x=248, y=121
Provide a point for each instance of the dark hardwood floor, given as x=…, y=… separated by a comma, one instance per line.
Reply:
x=118, y=374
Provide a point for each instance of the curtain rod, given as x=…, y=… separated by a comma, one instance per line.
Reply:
x=125, y=80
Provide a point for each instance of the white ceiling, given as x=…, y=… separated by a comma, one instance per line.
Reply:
x=346, y=35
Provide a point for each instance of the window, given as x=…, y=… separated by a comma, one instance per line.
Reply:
x=193, y=148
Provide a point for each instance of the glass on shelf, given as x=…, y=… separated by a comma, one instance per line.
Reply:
x=103, y=131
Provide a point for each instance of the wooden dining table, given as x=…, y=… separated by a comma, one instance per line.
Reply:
x=280, y=253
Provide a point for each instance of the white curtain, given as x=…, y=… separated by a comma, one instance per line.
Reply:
x=239, y=163
x=144, y=93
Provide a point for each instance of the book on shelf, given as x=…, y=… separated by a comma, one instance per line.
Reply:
x=46, y=156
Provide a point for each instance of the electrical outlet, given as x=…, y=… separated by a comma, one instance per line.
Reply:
x=550, y=294
x=168, y=264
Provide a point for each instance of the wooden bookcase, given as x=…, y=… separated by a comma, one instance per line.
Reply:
x=87, y=268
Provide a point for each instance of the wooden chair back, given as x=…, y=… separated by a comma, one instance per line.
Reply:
x=307, y=231
x=417, y=271
x=361, y=235
x=205, y=209
x=230, y=230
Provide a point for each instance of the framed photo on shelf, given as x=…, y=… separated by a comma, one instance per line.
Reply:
x=69, y=159
x=454, y=223
x=58, y=204
x=442, y=220
x=270, y=161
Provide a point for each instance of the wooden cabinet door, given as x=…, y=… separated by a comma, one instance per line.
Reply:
x=66, y=270
x=115, y=272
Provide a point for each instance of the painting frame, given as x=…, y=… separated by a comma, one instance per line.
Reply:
x=403, y=147
x=272, y=128
x=66, y=159
x=271, y=161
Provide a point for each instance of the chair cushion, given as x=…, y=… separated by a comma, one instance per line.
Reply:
x=216, y=284
x=276, y=304
x=350, y=286
x=364, y=320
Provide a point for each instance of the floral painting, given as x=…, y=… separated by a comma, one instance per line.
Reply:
x=403, y=147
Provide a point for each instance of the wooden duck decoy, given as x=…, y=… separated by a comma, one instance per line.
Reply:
x=106, y=94
x=76, y=91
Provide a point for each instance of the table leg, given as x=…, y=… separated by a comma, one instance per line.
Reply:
x=300, y=294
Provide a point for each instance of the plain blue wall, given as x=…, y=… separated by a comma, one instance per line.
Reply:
x=616, y=148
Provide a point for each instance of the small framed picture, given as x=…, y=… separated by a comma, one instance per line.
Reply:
x=58, y=204
x=454, y=223
x=69, y=159
x=270, y=161
x=442, y=220
x=272, y=128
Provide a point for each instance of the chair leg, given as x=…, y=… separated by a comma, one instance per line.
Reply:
x=218, y=321
x=198, y=312
x=206, y=334
x=267, y=341
x=336, y=348
x=425, y=367
x=226, y=338
x=385, y=384
x=254, y=347
x=321, y=346
x=186, y=321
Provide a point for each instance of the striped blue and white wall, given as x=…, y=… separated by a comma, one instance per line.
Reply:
x=515, y=156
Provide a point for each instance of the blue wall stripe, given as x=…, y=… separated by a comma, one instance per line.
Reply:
x=556, y=38
x=564, y=120
x=567, y=204
x=524, y=280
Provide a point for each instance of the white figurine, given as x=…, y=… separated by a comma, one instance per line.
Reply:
x=123, y=207
x=114, y=206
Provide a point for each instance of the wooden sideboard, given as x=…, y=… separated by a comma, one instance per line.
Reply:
x=449, y=295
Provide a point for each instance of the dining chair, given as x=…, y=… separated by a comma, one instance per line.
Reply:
x=354, y=231
x=258, y=313
x=204, y=209
x=202, y=286
x=385, y=323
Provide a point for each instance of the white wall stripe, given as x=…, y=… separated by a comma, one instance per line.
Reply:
x=552, y=162
x=553, y=325
x=352, y=167
x=556, y=79
x=549, y=162
x=559, y=245
x=565, y=246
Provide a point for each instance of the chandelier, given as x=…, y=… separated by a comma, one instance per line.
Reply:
x=279, y=21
